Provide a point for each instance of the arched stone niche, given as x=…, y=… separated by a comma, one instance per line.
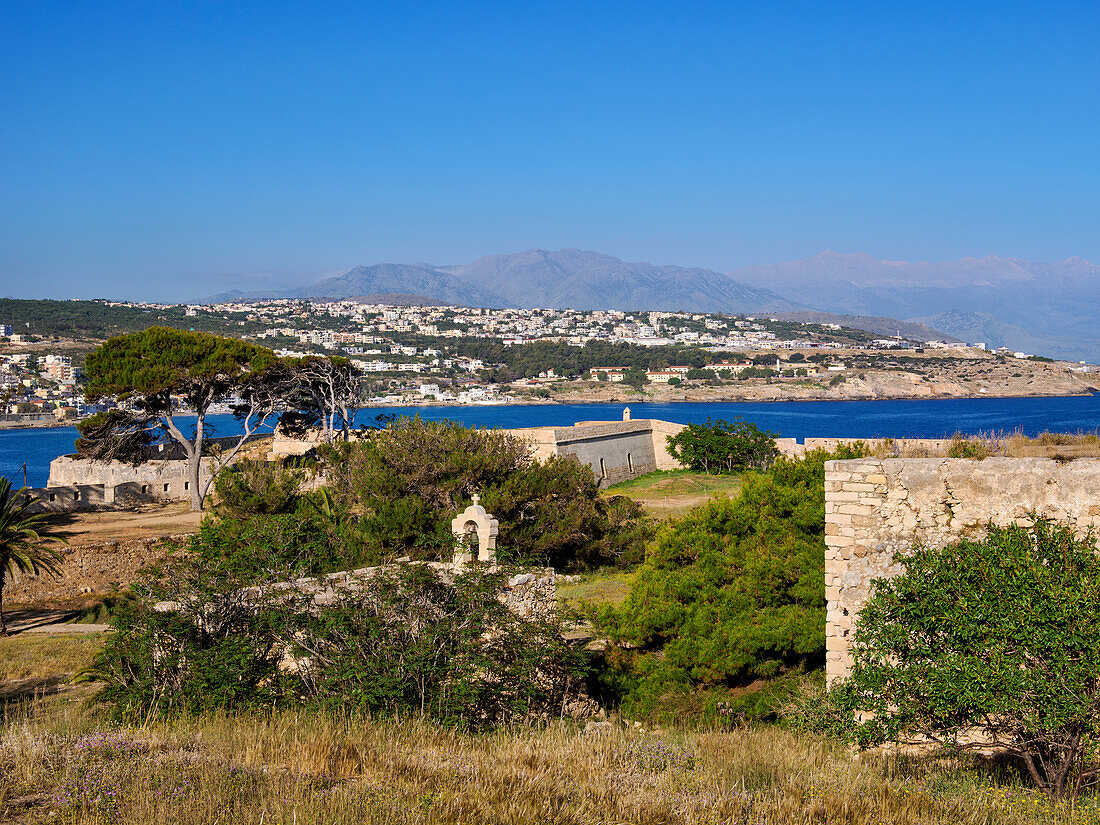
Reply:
x=475, y=522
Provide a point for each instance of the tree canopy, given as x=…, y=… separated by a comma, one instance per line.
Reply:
x=723, y=446
x=157, y=368
x=990, y=643
x=732, y=592
x=410, y=479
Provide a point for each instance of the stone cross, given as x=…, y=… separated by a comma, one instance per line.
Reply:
x=474, y=521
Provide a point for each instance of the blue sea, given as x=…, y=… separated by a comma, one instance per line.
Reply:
x=935, y=418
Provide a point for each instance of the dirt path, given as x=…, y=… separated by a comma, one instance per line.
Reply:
x=47, y=621
x=147, y=521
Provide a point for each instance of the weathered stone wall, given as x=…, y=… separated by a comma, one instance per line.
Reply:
x=615, y=450
x=163, y=480
x=875, y=508
x=89, y=569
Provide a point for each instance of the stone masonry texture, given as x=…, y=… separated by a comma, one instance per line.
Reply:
x=875, y=508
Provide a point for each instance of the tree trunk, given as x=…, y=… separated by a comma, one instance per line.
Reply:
x=194, y=453
x=3, y=627
x=194, y=470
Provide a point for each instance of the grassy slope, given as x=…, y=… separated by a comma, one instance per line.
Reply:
x=664, y=494
x=60, y=762
x=674, y=492
x=63, y=765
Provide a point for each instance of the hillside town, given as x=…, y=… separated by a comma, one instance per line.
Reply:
x=465, y=355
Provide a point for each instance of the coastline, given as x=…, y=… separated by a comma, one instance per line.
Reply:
x=36, y=425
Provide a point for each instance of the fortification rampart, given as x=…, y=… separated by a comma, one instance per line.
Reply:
x=615, y=450
x=89, y=569
x=82, y=484
x=875, y=508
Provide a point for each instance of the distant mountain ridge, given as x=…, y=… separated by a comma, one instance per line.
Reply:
x=1047, y=308
x=1032, y=306
x=563, y=279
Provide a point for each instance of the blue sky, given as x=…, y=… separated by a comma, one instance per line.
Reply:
x=171, y=150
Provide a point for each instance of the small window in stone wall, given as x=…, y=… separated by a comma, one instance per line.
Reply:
x=144, y=489
x=630, y=462
x=53, y=496
x=603, y=470
x=76, y=496
x=187, y=485
x=166, y=488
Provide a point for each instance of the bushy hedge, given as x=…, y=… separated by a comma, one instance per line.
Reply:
x=407, y=482
x=199, y=637
x=731, y=593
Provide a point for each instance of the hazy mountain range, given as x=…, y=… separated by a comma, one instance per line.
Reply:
x=1048, y=308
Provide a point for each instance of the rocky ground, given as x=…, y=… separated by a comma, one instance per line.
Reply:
x=866, y=377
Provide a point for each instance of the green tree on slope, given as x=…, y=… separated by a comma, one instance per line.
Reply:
x=732, y=592
x=152, y=368
x=24, y=541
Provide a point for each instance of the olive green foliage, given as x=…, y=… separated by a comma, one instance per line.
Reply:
x=409, y=481
x=149, y=365
x=215, y=645
x=723, y=446
x=991, y=643
x=116, y=435
x=251, y=488
x=730, y=593
x=96, y=319
x=311, y=538
x=152, y=367
x=25, y=541
x=199, y=637
x=412, y=640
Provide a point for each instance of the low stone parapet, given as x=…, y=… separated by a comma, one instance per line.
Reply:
x=876, y=508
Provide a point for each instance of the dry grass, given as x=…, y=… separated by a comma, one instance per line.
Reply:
x=62, y=763
x=1062, y=446
x=145, y=522
x=46, y=655
x=599, y=588
x=58, y=764
x=674, y=492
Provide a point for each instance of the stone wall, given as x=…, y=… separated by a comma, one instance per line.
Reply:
x=875, y=508
x=89, y=569
x=615, y=450
x=155, y=480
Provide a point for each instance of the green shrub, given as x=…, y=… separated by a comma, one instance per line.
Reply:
x=723, y=446
x=211, y=649
x=414, y=642
x=198, y=637
x=730, y=593
x=257, y=488
x=317, y=537
x=407, y=483
x=992, y=644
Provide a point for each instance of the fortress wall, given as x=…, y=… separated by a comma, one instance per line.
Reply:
x=932, y=446
x=615, y=450
x=875, y=508
x=65, y=498
x=157, y=480
x=88, y=569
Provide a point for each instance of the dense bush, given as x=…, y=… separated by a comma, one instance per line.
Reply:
x=199, y=637
x=730, y=593
x=450, y=649
x=250, y=488
x=408, y=481
x=307, y=541
x=723, y=446
x=212, y=648
x=988, y=644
